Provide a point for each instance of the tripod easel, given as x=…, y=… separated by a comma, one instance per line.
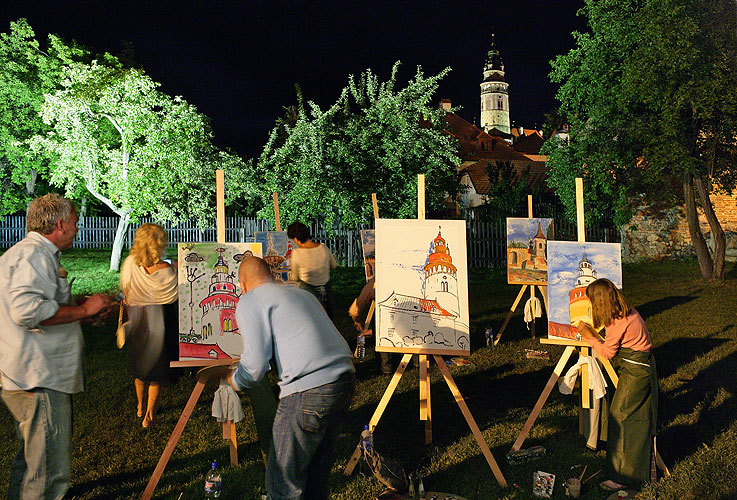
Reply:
x=543, y=291
x=425, y=401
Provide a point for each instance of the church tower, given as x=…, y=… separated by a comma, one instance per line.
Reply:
x=494, y=94
x=579, y=305
x=441, y=282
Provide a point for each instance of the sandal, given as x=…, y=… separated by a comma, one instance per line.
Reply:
x=610, y=485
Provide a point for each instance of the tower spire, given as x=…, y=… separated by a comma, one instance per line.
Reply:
x=494, y=93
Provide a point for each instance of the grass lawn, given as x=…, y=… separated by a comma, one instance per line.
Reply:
x=691, y=321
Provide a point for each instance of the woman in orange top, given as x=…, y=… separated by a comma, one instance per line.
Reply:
x=633, y=411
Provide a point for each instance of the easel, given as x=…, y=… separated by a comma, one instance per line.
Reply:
x=372, y=307
x=571, y=345
x=543, y=292
x=214, y=369
x=425, y=406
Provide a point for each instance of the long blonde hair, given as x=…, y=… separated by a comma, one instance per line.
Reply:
x=607, y=302
x=149, y=244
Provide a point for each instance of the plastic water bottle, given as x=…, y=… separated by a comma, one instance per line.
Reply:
x=361, y=347
x=367, y=439
x=213, y=482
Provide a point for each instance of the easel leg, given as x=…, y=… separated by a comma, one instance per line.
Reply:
x=471, y=422
x=543, y=397
x=175, y=435
x=544, y=293
x=532, y=326
x=353, y=461
x=230, y=434
x=509, y=315
x=425, y=405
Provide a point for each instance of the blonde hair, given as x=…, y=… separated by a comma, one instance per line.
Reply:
x=607, y=302
x=46, y=211
x=149, y=244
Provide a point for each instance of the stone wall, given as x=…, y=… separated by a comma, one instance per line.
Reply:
x=655, y=235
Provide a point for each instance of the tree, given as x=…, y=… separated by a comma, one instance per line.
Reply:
x=134, y=148
x=650, y=95
x=374, y=139
x=27, y=72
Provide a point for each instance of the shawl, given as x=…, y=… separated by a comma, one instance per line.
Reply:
x=143, y=289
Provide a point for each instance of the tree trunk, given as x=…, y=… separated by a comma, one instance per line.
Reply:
x=120, y=233
x=694, y=229
x=31, y=187
x=717, y=233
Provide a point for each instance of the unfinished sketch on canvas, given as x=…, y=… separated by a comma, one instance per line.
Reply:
x=422, y=286
x=527, y=241
x=208, y=295
x=277, y=248
x=572, y=266
x=368, y=245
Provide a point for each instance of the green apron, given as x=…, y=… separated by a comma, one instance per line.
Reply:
x=632, y=418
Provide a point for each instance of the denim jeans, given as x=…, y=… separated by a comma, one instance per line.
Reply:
x=304, y=433
x=43, y=424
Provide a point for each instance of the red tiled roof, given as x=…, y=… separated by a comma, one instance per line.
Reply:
x=201, y=351
x=529, y=143
x=562, y=330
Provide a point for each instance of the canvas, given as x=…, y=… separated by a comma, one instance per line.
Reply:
x=277, y=248
x=527, y=241
x=422, y=287
x=208, y=295
x=368, y=244
x=572, y=266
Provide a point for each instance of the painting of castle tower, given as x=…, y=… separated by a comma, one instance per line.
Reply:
x=208, y=295
x=572, y=266
x=422, y=287
x=527, y=241
x=277, y=248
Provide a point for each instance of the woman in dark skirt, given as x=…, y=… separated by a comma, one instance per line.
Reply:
x=633, y=411
x=150, y=288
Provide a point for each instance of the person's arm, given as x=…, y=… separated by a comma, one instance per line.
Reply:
x=67, y=314
x=333, y=262
x=257, y=345
x=607, y=349
x=294, y=265
x=354, y=313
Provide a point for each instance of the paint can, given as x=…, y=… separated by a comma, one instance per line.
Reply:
x=573, y=487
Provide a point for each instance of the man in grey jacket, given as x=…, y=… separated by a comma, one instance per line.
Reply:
x=41, y=348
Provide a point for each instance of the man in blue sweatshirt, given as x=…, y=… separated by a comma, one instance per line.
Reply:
x=314, y=365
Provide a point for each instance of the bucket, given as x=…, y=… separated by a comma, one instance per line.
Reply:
x=573, y=487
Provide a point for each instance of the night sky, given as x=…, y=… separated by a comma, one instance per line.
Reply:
x=238, y=61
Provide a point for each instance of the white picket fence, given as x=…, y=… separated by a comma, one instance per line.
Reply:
x=486, y=245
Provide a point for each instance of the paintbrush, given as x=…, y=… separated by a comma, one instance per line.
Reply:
x=589, y=478
x=584, y=472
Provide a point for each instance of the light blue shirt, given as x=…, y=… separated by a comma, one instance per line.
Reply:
x=31, y=291
x=289, y=325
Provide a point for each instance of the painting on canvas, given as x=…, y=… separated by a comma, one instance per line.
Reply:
x=422, y=287
x=208, y=294
x=571, y=267
x=368, y=244
x=277, y=248
x=527, y=241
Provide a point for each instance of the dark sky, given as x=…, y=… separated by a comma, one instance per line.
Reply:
x=238, y=61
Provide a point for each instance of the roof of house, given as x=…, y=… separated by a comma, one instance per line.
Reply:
x=206, y=351
x=414, y=304
x=529, y=143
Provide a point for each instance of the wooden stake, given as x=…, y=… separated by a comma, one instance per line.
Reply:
x=579, y=211
x=220, y=204
x=529, y=206
x=376, y=205
x=421, y=196
x=276, y=212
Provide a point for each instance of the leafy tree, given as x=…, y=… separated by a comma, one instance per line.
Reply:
x=650, y=95
x=374, y=139
x=134, y=148
x=27, y=72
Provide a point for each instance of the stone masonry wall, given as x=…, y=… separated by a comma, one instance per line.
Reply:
x=657, y=235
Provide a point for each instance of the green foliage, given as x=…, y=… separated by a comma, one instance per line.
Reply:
x=649, y=95
x=508, y=192
x=374, y=139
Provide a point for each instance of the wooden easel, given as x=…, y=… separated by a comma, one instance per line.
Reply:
x=372, y=307
x=425, y=405
x=207, y=373
x=543, y=292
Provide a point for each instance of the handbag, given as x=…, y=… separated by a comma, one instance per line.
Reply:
x=120, y=333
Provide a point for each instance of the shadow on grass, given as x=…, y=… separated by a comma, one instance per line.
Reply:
x=680, y=351
x=663, y=304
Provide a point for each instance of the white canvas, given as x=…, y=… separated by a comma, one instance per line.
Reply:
x=422, y=286
x=526, y=250
x=277, y=249
x=368, y=246
x=571, y=267
x=208, y=295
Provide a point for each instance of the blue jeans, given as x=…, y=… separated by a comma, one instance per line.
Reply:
x=304, y=433
x=43, y=424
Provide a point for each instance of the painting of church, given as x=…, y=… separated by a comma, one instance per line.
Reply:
x=572, y=266
x=208, y=295
x=527, y=241
x=422, y=287
x=277, y=249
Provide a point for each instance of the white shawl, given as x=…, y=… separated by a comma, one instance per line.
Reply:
x=143, y=289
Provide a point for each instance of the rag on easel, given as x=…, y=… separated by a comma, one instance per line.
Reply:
x=596, y=377
x=226, y=404
x=532, y=308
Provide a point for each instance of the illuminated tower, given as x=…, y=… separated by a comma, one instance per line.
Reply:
x=441, y=282
x=222, y=298
x=494, y=93
x=579, y=304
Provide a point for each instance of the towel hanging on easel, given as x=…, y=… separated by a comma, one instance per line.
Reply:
x=226, y=405
x=532, y=308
